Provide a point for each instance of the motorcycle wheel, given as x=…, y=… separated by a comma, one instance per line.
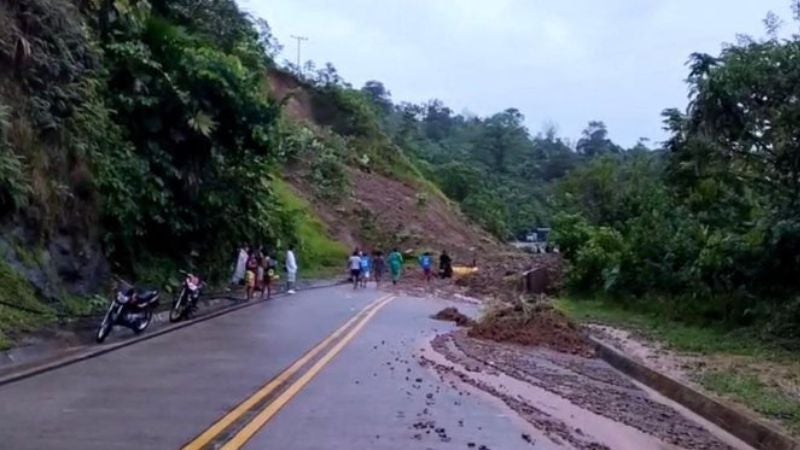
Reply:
x=178, y=310
x=144, y=323
x=105, y=328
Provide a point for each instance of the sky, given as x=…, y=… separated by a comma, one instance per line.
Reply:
x=558, y=62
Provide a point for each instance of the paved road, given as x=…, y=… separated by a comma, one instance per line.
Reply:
x=362, y=389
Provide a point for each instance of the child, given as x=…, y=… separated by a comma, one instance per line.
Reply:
x=365, y=269
x=269, y=274
x=250, y=275
x=426, y=263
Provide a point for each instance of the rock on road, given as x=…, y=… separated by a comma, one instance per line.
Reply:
x=224, y=383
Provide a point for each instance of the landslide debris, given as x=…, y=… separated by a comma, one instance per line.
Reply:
x=538, y=325
x=452, y=314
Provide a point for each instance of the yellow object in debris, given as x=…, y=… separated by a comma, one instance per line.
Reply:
x=463, y=271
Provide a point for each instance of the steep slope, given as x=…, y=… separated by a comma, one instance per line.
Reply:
x=380, y=206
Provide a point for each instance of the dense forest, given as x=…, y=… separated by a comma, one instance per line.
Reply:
x=708, y=231
x=501, y=175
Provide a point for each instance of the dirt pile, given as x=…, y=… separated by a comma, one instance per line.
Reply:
x=500, y=275
x=535, y=325
x=454, y=315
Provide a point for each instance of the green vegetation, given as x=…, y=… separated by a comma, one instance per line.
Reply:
x=148, y=125
x=492, y=167
x=318, y=254
x=710, y=225
x=16, y=290
x=738, y=364
x=749, y=390
x=676, y=335
x=169, y=133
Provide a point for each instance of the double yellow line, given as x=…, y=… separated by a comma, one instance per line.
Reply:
x=354, y=325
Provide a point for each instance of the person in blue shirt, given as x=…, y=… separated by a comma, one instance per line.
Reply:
x=366, y=266
x=426, y=263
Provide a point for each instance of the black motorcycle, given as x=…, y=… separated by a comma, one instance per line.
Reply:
x=185, y=302
x=132, y=308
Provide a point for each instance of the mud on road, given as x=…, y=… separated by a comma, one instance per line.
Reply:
x=574, y=401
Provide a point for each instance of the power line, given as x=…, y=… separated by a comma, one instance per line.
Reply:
x=300, y=40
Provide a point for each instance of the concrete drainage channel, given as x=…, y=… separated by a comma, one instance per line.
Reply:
x=65, y=358
x=753, y=431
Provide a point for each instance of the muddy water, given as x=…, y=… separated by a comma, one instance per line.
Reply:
x=569, y=401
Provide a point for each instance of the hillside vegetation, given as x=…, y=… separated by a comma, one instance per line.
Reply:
x=141, y=137
x=136, y=138
x=708, y=232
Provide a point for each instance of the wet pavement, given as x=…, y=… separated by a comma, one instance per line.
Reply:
x=388, y=385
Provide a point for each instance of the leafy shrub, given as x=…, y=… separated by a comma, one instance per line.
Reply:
x=14, y=182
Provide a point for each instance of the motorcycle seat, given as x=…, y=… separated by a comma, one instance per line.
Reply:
x=146, y=295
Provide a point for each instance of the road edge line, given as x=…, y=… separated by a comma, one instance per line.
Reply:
x=259, y=421
x=230, y=417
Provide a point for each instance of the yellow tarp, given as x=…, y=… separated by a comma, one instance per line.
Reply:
x=463, y=271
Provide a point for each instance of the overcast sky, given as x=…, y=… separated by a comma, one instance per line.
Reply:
x=565, y=62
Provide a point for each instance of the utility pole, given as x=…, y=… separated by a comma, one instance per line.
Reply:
x=299, y=40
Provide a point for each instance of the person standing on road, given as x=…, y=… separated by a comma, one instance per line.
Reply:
x=445, y=265
x=426, y=263
x=260, y=269
x=378, y=267
x=269, y=273
x=250, y=275
x=241, y=265
x=366, y=265
x=354, y=264
x=395, y=265
x=291, y=270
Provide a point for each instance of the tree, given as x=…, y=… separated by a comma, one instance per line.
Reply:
x=595, y=141
x=377, y=93
x=328, y=78
x=505, y=137
x=458, y=180
x=437, y=120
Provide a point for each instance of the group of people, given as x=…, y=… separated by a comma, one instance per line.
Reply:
x=257, y=269
x=364, y=266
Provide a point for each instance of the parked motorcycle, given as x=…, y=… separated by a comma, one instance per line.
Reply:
x=185, y=302
x=132, y=308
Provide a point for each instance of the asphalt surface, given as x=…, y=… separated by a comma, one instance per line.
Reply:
x=363, y=389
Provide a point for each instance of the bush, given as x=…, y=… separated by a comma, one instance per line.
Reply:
x=15, y=186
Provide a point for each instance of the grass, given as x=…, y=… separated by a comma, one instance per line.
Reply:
x=677, y=336
x=749, y=390
x=739, y=366
x=16, y=291
x=318, y=255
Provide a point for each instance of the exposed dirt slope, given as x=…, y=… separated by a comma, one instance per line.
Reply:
x=379, y=211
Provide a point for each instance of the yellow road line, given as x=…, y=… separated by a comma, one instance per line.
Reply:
x=218, y=427
x=258, y=422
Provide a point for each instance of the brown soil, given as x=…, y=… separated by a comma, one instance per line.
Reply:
x=556, y=392
x=454, y=315
x=499, y=274
x=540, y=326
x=294, y=95
x=380, y=211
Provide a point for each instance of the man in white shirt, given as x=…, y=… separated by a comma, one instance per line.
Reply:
x=291, y=269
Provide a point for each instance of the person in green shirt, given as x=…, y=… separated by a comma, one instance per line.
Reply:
x=395, y=265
